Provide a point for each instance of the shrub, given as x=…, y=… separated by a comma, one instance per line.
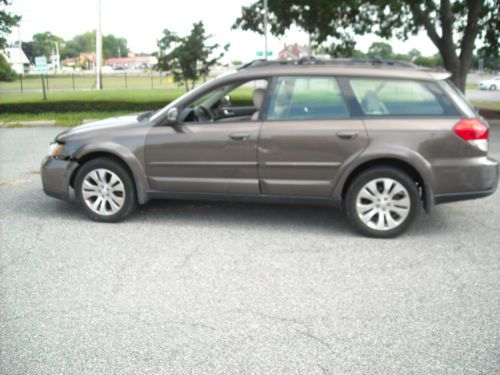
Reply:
x=6, y=72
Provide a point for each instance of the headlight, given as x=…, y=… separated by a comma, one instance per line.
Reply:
x=54, y=148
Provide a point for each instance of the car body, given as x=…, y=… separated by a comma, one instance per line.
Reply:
x=329, y=134
x=490, y=84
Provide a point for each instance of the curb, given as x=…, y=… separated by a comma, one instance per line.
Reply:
x=36, y=123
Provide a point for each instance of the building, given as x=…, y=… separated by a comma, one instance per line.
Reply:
x=132, y=62
x=85, y=60
x=17, y=59
x=293, y=52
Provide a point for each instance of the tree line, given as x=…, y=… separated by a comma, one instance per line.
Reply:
x=44, y=44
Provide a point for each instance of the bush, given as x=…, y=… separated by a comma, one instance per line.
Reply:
x=6, y=72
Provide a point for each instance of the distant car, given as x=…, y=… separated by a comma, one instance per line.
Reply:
x=490, y=84
x=379, y=141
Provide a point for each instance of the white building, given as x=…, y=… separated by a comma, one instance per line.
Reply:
x=16, y=58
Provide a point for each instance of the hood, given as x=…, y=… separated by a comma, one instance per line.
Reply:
x=107, y=125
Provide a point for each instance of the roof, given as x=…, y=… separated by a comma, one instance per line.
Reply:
x=342, y=67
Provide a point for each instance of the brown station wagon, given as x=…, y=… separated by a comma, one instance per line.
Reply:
x=382, y=140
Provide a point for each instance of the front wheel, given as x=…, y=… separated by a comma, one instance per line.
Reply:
x=105, y=190
x=493, y=88
x=382, y=202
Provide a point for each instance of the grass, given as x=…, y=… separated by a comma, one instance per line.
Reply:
x=132, y=96
x=87, y=81
x=71, y=108
x=494, y=106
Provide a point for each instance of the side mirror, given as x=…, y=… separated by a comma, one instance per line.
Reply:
x=172, y=115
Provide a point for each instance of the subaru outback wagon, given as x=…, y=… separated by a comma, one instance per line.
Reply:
x=382, y=141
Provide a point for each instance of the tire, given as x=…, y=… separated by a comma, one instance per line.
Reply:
x=398, y=207
x=109, y=181
x=493, y=88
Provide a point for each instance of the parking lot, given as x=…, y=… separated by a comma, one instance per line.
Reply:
x=226, y=288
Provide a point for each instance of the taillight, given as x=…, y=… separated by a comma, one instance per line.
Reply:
x=474, y=131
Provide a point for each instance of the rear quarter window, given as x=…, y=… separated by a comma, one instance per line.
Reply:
x=385, y=97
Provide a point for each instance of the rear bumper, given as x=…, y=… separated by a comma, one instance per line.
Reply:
x=477, y=181
x=56, y=175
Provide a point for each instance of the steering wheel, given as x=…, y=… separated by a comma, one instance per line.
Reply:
x=204, y=114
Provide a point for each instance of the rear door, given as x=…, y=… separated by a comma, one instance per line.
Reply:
x=306, y=137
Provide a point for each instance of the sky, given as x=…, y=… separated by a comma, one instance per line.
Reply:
x=142, y=23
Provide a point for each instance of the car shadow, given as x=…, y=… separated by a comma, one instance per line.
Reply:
x=282, y=218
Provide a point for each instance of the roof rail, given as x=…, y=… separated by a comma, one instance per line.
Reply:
x=314, y=61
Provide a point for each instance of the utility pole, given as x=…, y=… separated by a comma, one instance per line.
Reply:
x=98, y=48
x=265, y=29
x=21, y=63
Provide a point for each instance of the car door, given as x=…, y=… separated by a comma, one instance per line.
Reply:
x=204, y=156
x=306, y=137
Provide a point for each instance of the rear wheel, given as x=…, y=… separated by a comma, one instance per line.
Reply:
x=382, y=202
x=105, y=190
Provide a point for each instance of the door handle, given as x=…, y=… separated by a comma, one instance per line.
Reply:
x=347, y=135
x=239, y=136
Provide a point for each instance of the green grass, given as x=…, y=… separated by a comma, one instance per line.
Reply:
x=132, y=96
x=87, y=81
x=71, y=108
x=494, y=106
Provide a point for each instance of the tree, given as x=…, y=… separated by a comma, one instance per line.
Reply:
x=6, y=72
x=7, y=22
x=112, y=46
x=453, y=26
x=414, y=53
x=44, y=44
x=380, y=49
x=188, y=58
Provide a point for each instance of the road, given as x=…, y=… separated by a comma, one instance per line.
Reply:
x=219, y=288
x=483, y=95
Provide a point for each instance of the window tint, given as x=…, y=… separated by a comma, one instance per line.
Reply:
x=304, y=98
x=379, y=97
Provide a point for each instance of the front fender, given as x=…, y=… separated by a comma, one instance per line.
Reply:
x=126, y=156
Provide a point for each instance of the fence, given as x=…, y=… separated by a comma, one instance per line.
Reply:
x=82, y=82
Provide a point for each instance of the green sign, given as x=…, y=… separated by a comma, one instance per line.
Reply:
x=41, y=65
x=261, y=53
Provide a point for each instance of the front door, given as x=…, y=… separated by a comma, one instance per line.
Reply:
x=307, y=136
x=212, y=149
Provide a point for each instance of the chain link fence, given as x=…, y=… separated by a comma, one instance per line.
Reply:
x=83, y=82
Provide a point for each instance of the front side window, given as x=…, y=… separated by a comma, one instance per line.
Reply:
x=384, y=97
x=306, y=98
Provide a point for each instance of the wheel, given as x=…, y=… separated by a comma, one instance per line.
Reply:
x=382, y=202
x=493, y=88
x=105, y=190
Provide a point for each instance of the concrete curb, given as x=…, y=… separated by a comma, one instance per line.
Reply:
x=36, y=123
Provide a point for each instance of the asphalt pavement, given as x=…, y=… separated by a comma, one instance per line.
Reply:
x=226, y=288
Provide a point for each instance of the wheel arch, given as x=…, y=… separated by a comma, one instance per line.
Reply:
x=415, y=172
x=127, y=160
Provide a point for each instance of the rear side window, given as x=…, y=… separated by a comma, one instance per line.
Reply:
x=383, y=97
x=306, y=98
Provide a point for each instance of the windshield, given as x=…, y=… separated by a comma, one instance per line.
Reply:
x=164, y=110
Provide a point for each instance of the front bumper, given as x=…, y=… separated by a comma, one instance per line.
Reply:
x=56, y=175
